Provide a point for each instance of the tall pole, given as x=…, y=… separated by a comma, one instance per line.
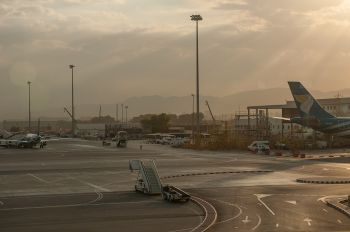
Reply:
x=29, y=112
x=197, y=18
x=73, y=116
x=126, y=115
x=192, y=117
x=122, y=113
x=116, y=112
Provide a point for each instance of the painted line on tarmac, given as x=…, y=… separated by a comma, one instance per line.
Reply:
x=90, y=184
x=38, y=178
x=99, y=197
x=75, y=205
x=258, y=224
x=210, y=214
x=230, y=204
x=259, y=196
x=179, y=230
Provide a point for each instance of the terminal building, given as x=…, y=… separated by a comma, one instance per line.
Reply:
x=257, y=120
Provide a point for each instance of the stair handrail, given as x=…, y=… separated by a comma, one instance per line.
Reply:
x=154, y=166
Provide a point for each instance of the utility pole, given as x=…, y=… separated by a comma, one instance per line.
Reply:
x=100, y=113
x=71, y=66
x=197, y=18
x=116, y=112
x=192, y=117
x=122, y=113
x=29, y=112
x=126, y=115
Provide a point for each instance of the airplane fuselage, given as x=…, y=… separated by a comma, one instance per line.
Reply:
x=334, y=126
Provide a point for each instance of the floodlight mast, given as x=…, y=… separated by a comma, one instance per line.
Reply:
x=71, y=66
x=29, y=110
x=197, y=18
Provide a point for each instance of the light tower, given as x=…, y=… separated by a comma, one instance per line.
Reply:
x=126, y=115
x=71, y=66
x=29, y=112
x=197, y=18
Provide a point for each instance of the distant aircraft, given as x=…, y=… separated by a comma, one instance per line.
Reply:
x=314, y=116
x=23, y=141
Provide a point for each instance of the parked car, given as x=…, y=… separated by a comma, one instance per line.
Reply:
x=256, y=146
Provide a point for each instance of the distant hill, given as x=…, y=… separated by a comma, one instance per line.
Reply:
x=180, y=104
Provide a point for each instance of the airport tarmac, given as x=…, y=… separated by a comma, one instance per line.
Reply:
x=81, y=186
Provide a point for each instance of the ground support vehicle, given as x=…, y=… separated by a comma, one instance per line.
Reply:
x=173, y=194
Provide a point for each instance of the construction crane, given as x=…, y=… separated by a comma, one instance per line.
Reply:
x=211, y=113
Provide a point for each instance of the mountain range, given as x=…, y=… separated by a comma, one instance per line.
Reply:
x=226, y=105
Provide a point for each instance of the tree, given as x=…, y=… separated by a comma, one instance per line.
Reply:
x=157, y=123
x=14, y=129
x=141, y=117
x=186, y=119
x=102, y=119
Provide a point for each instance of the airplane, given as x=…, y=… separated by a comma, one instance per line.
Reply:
x=23, y=141
x=314, y=116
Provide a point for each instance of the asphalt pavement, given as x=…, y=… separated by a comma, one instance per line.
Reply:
x=82, y=186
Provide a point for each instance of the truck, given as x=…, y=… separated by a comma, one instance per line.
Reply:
x=173, y=194
x=121, y=139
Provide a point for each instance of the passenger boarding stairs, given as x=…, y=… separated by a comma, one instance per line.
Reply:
x=148, y=180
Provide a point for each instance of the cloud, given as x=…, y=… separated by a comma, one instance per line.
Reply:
x=135, y=48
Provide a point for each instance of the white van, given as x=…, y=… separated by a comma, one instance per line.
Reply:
x=259, y=146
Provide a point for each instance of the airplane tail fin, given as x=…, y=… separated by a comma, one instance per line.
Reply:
x=306, y=103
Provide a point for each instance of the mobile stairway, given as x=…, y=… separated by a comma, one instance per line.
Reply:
x=148, y=180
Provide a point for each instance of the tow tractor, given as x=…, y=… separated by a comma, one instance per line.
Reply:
x=148, y=182
x=173, y=194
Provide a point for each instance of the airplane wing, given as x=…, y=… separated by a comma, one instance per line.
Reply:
x=282, y=118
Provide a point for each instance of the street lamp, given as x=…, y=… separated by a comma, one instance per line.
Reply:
x=197, y=18
x=126, y=115
x=122, y=113
x=71, y=66
x=192, y=116
x=29, y=113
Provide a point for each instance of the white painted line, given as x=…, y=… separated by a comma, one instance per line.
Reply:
x=38, y=178
x=181, y=230
x=323, y=199
x=308, y=221
x=259, y=196
x=75, y=205
x=90, y=184
x=325, y=210
x=246, y=220
x=230, y=204
x=292, y=202
x=258, y=224
x=339, y=221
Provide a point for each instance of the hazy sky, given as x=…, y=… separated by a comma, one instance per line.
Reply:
x=130, y=48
